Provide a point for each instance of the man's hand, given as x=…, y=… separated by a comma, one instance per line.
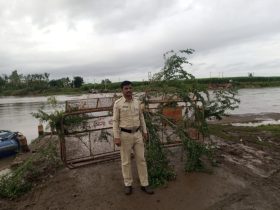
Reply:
x=117, y=141
x=145, y=136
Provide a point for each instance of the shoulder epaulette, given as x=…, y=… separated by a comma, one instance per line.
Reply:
x=118, y=100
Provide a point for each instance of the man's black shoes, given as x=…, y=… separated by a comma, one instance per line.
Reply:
x=128, y=190
x=147, y=190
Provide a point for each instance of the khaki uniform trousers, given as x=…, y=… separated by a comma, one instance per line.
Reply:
x=129, y=142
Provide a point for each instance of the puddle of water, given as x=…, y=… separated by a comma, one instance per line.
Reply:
x=256, y=124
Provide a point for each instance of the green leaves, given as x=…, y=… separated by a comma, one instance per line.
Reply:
x=174, y=64
x=223, y=100
x=54, y=117
x=174, y=81
x=159, y=170
x=78, y=81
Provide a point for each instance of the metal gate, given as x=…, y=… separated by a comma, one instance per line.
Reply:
x=87, y=135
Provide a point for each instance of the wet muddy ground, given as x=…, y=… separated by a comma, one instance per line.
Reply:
x=247, y=176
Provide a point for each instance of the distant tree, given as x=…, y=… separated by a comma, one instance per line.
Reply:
x=2, y=82
x=250, y=74
x=106, y=81
x=63, y=82
x=36, y=81
x=78, y=81
x=55, y=83
x=46, y=75
x=66, y=82
x=15, y=79
x=6, y=78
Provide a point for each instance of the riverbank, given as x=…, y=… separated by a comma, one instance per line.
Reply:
x=43, y=92
x=202, y=83
x=247, y=177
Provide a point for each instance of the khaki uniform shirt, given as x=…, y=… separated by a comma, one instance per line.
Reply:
x=129, y=115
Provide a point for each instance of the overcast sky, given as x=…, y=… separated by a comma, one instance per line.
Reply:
x=125, y=39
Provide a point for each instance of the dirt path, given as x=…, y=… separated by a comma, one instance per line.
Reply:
x=247, y=177
x=100, y=187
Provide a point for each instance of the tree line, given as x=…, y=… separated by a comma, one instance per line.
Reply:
x=19, y=84
x=16, y=81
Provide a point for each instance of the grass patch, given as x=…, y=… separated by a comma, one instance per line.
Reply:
x=275, y=129
x=222, y=131
x=36, y=168
x=246, y=133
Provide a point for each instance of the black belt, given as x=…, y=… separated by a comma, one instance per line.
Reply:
x=130, y=131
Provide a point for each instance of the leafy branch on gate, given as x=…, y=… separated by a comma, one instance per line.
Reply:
x=174, y=82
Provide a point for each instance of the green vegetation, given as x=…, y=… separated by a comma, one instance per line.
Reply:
x=244, y=82
x=54, y=118
x=173, y=81
x=37, y=167
x=274, y=129
x=45, y=161
x=40, y=84
x=158, y=165
x=259, y=136
x=78, y=81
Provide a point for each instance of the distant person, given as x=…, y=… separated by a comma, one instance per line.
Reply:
x=128, y=127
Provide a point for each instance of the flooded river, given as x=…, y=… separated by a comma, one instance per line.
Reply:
x=15, y=112
x=258, y=100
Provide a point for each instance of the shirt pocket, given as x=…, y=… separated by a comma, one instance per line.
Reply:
x=136, y=110
x=124, y=112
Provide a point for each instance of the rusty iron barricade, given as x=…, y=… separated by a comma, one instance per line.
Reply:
x=88, y=138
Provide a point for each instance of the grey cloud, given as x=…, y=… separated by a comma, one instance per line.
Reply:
x=107, y=15
x=150, y=28
x=121, y=66
x=136, y=14
x=270, y=64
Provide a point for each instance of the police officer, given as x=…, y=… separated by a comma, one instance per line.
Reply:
x=128, y=127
